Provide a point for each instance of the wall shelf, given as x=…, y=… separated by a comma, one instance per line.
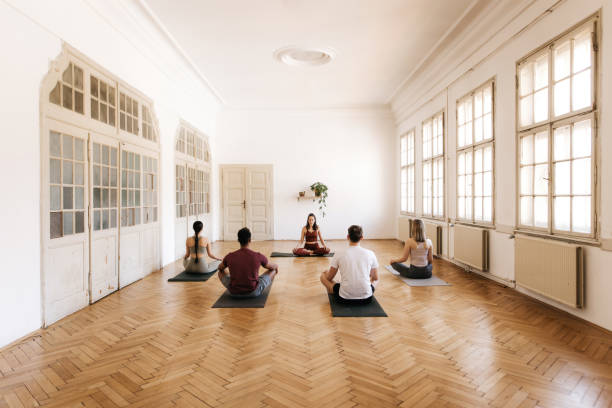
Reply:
x=307, y=197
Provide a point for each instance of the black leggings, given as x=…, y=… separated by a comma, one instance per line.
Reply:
x=342, y=300
x=413, y=272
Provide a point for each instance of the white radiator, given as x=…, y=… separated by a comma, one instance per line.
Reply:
x=471, y=246
x=551, y=268
x=434, y=233
x=405, y=228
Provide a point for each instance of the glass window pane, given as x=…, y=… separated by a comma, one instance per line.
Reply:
x=113, y=197
x=96, y=221
x=562, y=61
x=541, y=105
x=562, y=97
x=105, y=219
x=68, y=226
x=105, y=155
x=113, y=177
x=67, y=74
x=540, y=212
x=113, y=157
x=561, y=147
x=113, y=219
x=105, y=194
x=581, y=90
x=487, y=184
x=562, y=178
x=581, y=139
x=562, y=213
x=54, y=144
x=67, y=147
x=582, y=51
x=67, y=172
x=581, y=214
x=96, y=198
x=488, y=158
x=487, y=209
x=527, y=149
x=540, y=183
x=78, y=77
x=487, y=126
x=461, y=113
x=526, y=210
x=478, y=185
x=79, y=149
x=55, y=174
x=461, y=186
x=55, y=224
x=67, y=97
x=79, y=198
x=78, y=102
x=94, y=109
x=124, y=198
x=527, y=110
x=581, y=176
x=105, y=178
x=478, y=208
x=526, y=79
x=478, y=104
x=478, y=135
x=96, y=175
x=55, y=202
x=79, y=174
x=96, y=153
x=103, y=113
x=541, y=147
x=541, y=72
x=487, y=99
x=79, y=221
x=461, y=136
x=55, y=95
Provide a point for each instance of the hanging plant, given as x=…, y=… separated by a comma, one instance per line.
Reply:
x=320, y=191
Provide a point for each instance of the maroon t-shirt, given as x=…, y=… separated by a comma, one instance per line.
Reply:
x=244, y=266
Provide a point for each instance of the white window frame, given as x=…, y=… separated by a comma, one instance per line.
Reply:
x=407, y=166
x=553, y=122
x=430, y=162
x=473, y=147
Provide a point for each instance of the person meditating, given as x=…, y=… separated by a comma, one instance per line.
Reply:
x=243, y=279
x=419, y=250
x=192, y=261
x=310, y=233
x=358, y=272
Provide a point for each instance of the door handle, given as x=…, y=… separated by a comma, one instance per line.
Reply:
x=244, y=204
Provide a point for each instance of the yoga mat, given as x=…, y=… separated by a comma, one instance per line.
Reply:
x=290, y=255
x=373, y=309
x=191, y=277
x=227, y=301
x=433, y=281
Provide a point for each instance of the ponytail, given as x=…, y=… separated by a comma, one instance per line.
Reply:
x=197, y=227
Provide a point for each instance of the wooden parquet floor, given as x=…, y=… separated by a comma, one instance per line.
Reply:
x=159, y=344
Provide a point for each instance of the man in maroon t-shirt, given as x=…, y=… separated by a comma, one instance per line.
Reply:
x=243, y=279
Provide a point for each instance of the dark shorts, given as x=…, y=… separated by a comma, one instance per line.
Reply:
x=340, y=299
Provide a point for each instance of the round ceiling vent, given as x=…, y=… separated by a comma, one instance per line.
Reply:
x=304, y=56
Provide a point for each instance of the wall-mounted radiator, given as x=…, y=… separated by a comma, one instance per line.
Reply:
x=434, y=233
x=405, y=228
x=551, y=268
x=471, y=246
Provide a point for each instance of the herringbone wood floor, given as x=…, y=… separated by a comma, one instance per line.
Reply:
x=159, y=344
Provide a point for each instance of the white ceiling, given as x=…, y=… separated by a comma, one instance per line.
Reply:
x=378, y=43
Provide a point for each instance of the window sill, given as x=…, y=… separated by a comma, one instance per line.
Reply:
x=475, y=225
x=570, y=240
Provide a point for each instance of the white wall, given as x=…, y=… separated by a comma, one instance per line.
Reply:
x=457, y=71
x=129, y=46
x=351, y=151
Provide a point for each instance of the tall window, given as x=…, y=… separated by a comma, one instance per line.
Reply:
x=407, y=172
x=475, y=155
x=149, y=202
x=557, y=134
x=433, y=166
x=130, y=189
x=103, y=101
x=68, y=91
x=181, y=196
x=67, y=185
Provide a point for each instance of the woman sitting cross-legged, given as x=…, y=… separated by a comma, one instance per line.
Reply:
x=310, y=233
x=419, y=250
x=193, y=261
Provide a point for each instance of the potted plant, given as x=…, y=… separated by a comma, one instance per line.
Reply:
x=320, y=191
x=302, y=193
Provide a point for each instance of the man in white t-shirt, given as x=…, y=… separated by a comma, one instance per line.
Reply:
x=358, y=271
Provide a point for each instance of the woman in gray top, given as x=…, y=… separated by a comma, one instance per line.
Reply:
x=193, y=260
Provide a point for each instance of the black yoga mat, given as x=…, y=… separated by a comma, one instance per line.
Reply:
x=228, y=301
x=192, y=277
x=290, y=255
x=373, y=309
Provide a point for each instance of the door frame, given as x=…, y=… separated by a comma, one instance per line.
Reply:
x=270, y=169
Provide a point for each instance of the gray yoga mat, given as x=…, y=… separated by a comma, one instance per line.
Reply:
x=192, y=277
x=433, y=281
x=291, y=255
x=373, y=309
x=230, y=302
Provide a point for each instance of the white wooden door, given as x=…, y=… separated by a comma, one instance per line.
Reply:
x=234, y=201
x=258, y=202
x=247, y=201
x=65, y=230
x=104, y=193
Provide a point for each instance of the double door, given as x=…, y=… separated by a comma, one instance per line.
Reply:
x=247, y=201
x=96, y=210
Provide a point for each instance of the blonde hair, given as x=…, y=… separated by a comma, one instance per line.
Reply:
x=418, y=230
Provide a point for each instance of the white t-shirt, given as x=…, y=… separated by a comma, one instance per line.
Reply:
x=354, y=265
